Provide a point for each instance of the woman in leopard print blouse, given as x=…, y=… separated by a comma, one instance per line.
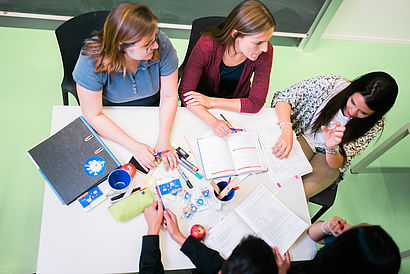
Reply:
x=334, y=119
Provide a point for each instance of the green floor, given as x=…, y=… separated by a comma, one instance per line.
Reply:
x=31, y=73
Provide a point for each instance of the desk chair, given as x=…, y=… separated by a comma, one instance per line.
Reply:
x=70, y=36
x=326, y=199
x=198, y=25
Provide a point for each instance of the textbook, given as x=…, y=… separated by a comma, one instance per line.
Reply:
x=261, y=214
x=73, y=160
x=231, y=155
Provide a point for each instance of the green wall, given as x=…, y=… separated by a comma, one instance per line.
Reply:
x=31, y=72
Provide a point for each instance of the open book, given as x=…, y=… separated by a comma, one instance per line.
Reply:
x=260, y=214
x=231, y=155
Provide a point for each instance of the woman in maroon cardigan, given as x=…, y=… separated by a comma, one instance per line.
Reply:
x=219, y=70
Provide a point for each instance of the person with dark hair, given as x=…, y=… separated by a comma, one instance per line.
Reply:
x=252, y=255
x=129, y=62
x=350, y=249
x=335, y=119
x=219, y=70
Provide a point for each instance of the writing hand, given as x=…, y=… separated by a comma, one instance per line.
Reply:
x=221, y=128
x=154, y=214
x=336, y=226
x=193, y=98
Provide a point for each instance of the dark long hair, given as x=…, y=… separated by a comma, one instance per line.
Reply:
x=251, y=256
x=379, y=90
x=363, y=249
x=248, y=18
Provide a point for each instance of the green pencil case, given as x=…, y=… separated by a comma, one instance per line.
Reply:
x=131, y=206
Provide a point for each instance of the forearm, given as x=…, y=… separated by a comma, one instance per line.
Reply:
x=203, y=114
x=105, y=127
x=167, y=111
x=283, y=112
x=334, y=161
x=205, y=259
x=150, y=259
x=315, y=231
x=224, y=103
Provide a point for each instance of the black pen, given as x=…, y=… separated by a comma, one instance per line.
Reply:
x=122, y=194
x=199, y=176
x=184, y=177
x=188, y=163
x=231, y=128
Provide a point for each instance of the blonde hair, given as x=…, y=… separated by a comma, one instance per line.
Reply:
x=248, y=18
x=127, y=23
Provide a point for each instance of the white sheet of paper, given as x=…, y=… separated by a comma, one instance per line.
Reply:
x=271, y=219
x=280, y=169
x=227, y=234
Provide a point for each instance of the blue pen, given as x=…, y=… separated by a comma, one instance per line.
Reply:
x=161, y=152
x=231, y=128
x=159, y=195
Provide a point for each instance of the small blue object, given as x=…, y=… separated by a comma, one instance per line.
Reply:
x=87, y=198
x=94, y=166
x=187, y=196
x=194, y=208
x=119, y=179
x=228, y=196
x=200, y=201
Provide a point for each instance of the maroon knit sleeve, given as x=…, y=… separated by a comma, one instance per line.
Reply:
x=194, y=67
x=260, y=83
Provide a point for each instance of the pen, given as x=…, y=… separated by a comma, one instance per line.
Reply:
x=161, y=152
x=181, y=153
x=188, y=183
x=122, y=194
x=231, y=128
x=159, y=195
x=188, y=163
x=199, y=176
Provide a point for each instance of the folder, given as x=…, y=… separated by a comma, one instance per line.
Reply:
x=73, y=160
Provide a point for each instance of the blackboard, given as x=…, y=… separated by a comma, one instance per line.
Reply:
x=291, y=16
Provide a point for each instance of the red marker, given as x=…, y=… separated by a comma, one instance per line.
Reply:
x=340, y=224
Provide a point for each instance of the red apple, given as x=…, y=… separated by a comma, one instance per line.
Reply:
x=130, y=168
x=198, y=231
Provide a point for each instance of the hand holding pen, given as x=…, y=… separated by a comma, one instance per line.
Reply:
x=165, y=152
x=335, y=226
x=231, y=127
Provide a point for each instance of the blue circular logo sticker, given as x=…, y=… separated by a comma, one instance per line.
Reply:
x=94, y=166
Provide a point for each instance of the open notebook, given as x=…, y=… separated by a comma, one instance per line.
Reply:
x=231, y=155
x=260, y=214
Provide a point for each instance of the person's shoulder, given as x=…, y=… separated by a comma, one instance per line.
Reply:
x=206, y=42
x=163, y=41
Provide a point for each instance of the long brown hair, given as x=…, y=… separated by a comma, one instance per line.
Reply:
x=248, y=18
x=379, y=90
x=127, y=23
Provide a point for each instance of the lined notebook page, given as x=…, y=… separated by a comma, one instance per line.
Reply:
x=271, y=219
